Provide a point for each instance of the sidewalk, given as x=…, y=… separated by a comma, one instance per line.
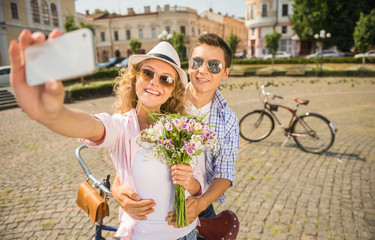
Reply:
x=279, y=193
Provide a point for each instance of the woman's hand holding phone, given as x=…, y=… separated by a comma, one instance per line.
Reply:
x=42, y=102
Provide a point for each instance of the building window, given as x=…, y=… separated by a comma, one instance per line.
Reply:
x=253, y=31
x=284, y=29
x=128, y=35
x=168, y=29
x=153, y=32
x=182, y=30
x=140, y=33
x=285, y=9
x=55, y=16
x=193, y=31
x=252, y=12
x=102, y=36
x=35, y=11
x=14, y=10
x=115, y=35
x=264, y=10
x=45, y=13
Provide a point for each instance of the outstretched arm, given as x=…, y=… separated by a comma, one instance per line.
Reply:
x=45, y=103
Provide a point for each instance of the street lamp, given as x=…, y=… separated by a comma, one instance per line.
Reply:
x=164, y=36
x=295, y=38
x=321, y=36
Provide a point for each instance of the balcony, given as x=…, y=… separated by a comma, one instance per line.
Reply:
x=260, y=22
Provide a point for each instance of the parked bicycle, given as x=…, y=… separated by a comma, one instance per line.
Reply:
x=224, y=226
x=312, y=132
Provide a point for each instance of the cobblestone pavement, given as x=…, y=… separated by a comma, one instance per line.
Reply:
x=279, y=193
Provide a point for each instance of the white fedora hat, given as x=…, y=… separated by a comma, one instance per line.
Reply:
x=163, y=51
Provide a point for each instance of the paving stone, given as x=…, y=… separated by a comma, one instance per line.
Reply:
x=279, y=192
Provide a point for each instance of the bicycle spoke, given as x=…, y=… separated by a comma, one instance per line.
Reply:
x=313, y=133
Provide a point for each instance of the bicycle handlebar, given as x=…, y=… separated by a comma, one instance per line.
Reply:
x=268, y=93
x=98, y=184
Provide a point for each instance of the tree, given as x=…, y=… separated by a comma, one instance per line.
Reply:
x=99, y=11
x=272, y=43
x=135, y=45
x=364, y=33
x=308, y=17
x=336, y=17
x=177, y=42
x=70, y=24
x=87, y=25
x=233, y=42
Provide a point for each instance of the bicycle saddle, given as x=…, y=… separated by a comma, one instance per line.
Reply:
x=301, y=101
x=224, y=226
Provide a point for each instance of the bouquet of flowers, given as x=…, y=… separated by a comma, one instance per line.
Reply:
x=177, y=139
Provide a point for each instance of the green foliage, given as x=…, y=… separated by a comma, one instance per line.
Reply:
x=336, y=17
x=364, y=32
x=272, y=42
x=99, y=11
x=233, y=42
x=87, y=25
x=309, y=17
x=91, y=91
x=301, y=60
x=135, y=45
x=177, y=42
x=70, y=24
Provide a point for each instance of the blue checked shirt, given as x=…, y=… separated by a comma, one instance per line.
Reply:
x=221, y=164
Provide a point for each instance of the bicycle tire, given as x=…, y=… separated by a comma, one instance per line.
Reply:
x=252, y=133
x=319, y=136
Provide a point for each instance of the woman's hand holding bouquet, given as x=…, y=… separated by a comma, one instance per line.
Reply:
x=176, y=139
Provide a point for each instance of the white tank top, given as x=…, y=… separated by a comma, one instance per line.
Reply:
x=153, y=180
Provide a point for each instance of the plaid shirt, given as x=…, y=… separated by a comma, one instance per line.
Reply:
x=221, y=164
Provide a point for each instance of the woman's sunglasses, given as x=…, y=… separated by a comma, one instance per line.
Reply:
x=213, y=65
x=148, y=75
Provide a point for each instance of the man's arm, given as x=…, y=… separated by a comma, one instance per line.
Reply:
x=130, y=201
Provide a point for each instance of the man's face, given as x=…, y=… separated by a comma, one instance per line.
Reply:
x=204, y=81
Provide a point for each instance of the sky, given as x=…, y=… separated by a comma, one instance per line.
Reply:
x=230, y=7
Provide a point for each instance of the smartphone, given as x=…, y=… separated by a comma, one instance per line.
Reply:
x=69, y=56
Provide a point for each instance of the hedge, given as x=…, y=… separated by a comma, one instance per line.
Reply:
x=303, y=60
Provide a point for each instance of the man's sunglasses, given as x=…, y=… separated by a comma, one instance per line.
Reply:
x=213, y=65
x=148, y=75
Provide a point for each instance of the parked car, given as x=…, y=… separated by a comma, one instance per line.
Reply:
x=279, y=55
x=368, y=54
x=111, y=63
x=122, y=64
x=4, y=76
x=326, y=53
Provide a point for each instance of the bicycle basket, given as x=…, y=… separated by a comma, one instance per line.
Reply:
x=274, y=107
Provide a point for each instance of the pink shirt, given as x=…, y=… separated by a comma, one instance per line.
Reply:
x=120, y=140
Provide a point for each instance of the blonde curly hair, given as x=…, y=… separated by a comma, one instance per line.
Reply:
x=126, y=97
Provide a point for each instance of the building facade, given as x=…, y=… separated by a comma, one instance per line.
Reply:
x=36, y=15
x=265, y=16
x=113, y=33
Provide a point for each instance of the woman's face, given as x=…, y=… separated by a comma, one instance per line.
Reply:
x=155, y=83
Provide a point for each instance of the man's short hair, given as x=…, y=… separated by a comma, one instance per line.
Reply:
x=214, y=40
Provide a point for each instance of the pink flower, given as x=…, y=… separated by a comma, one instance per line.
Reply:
x=189, y=148
x=168, y=143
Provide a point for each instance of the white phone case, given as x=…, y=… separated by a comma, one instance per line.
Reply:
x=66, y=57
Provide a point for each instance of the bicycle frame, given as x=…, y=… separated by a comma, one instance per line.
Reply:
x=267, y=107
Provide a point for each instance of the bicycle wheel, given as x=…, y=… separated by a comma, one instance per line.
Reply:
x=256, y=126
x=313, y=133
